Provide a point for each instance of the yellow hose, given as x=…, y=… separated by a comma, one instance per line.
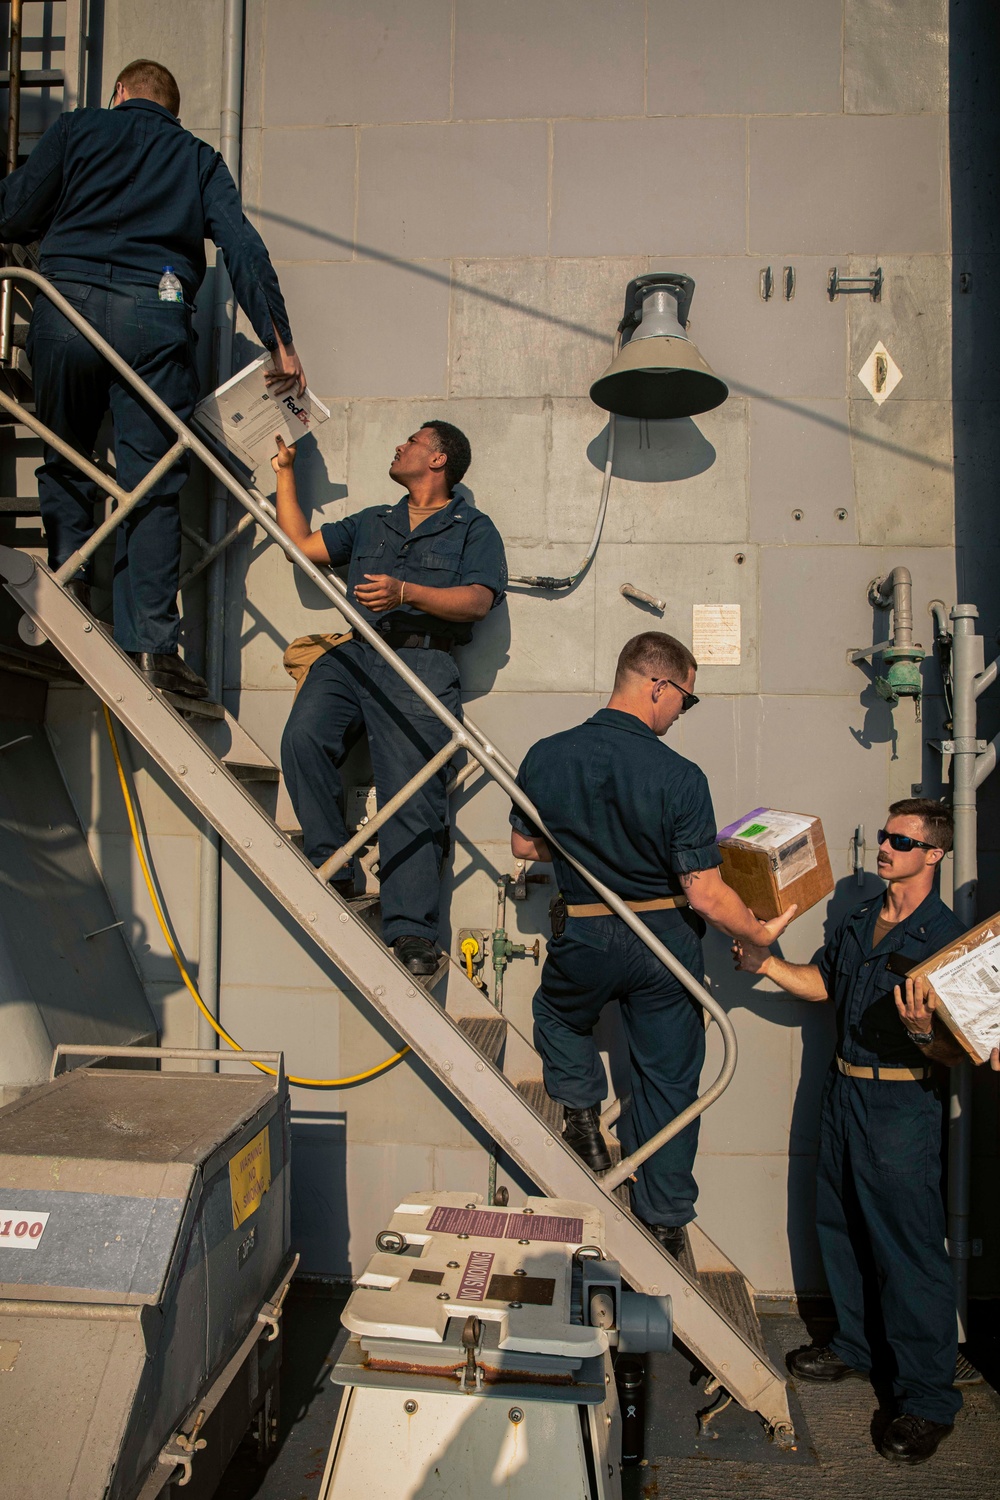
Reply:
x=310, y=1083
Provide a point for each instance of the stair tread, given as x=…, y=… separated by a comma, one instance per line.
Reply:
x=197, y=708
x=729, y=1291
x=246, y=771
x=532, y=1091
x=486, y=1033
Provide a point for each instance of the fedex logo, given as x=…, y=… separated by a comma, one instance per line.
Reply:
x=296, y=411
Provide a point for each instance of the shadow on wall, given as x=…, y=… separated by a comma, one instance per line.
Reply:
x=654, y=452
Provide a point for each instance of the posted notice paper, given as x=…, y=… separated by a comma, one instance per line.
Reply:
x=244, y=415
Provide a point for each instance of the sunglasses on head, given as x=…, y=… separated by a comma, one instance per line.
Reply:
x=689, y=698
x=901, y=842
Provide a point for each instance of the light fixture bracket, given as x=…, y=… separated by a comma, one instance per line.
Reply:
x=682, y=287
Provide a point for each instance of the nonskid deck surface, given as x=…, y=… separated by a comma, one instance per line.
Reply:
x=503, y=1092
x=836, y=1459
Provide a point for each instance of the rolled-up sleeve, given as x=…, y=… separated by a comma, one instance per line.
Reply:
x=691, y=826
x=254, y=279
x=827, y=961
x=338, y=539
x=483, y=558
x=519, y=820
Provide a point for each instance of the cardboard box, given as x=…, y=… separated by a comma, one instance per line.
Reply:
x=774, y=858
x=243, y=415
x=965, y=977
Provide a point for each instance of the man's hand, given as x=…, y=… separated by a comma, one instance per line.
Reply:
x=916, y=1004
x=771, y=931
x=750, y=959
x=285, y=456
x=995, y=1059
x=379, y=593
x=287, y=373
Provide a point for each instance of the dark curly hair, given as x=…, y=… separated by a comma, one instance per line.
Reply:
x=454, y=444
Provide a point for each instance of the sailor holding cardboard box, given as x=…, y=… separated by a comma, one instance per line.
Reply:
x=879, y=1209
x=640, y=816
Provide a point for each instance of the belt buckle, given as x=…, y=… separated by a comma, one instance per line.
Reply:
x=426, y=641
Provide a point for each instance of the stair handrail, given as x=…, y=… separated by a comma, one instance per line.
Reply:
x=464, y=735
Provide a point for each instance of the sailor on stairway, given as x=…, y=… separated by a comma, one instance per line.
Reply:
x=114, y=195
x=640, y=817
x=422, y=571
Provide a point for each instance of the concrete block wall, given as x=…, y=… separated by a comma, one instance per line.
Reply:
x=455, y=195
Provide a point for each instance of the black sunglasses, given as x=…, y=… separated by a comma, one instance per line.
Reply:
x=689, y=698
x=901, y=842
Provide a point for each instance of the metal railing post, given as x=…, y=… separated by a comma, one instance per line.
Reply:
x=967, y=664
x=427, y=772
x=13, y=147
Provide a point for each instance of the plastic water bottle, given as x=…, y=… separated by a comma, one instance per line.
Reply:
x=170, y=289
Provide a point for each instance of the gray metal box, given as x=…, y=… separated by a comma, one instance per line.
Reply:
x=144, y=1233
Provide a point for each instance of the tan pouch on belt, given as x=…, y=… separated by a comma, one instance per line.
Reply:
x=304, y=650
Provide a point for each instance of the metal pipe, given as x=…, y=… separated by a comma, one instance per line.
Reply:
x=967, y=664
x=486, y=753
x=128, y=503
x=427, y=772
x=13, y=148
x=216, y=549
x=986, y=678
x=224, y=317
x=104, y=481
x=896, y=590
x=938, y=611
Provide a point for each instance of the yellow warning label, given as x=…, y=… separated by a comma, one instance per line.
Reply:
x=250, y=1177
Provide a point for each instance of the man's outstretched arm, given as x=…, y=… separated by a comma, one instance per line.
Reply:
x=290, y=517
x=801, y=981
x=718, y=903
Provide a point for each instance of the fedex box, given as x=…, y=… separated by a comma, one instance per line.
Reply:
x=243, y=415
x=774, y=859
x=965, y=977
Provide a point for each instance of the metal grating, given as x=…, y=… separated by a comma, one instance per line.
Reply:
x=486, y=1034
x=532, y=1091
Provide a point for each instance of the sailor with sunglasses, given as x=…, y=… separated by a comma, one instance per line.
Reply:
x=879, y=1209
x=640, y=817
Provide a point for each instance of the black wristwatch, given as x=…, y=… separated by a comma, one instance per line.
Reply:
x=921, y=1038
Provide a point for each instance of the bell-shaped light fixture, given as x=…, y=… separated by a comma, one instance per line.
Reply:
x=658, y=371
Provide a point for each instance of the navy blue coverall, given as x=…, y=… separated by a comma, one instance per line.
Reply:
x=879, y=1207
x=353, y=686
x=638, y=815
x=115, y=196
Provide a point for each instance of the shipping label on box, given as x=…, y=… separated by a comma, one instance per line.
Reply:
x=244, y=414
x=965, y=977
x=773, y=859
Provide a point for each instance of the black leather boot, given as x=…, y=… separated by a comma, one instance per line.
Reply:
x=913, y=1440
x=80, y=590
x=818, y=1362
x=170, y=673
x=672, y=1237
x=418, y=954
x=582, y=1132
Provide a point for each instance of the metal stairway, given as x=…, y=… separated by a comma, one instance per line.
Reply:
x=488, y=1065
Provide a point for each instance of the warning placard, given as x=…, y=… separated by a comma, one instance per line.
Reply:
x=250, y=1177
